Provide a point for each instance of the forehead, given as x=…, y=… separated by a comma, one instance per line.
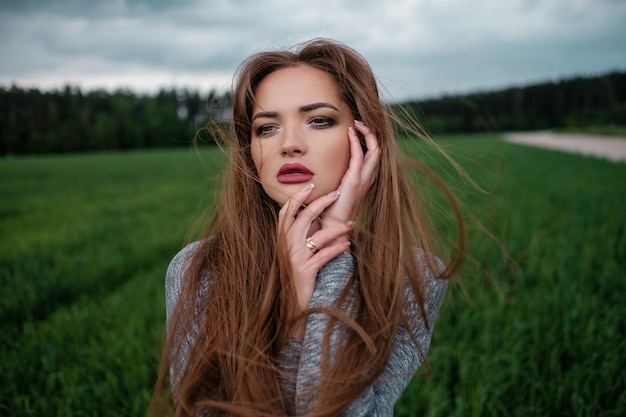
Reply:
x=296, y=86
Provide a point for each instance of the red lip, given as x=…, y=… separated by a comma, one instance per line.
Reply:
x=293, y=174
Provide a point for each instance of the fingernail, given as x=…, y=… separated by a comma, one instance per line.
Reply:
x=347, y=243
x=333, y=194
x=350, y=129
x=358, y=122
x=308, y=187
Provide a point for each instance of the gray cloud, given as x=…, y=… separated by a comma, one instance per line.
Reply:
x=417, y=47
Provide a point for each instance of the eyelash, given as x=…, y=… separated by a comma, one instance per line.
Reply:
x=322, y=121
x=318, y=122
x=265, y=130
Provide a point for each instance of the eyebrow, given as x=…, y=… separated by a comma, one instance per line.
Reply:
x=314, y=106
x=302, y=109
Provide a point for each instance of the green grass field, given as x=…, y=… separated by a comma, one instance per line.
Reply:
x=86, y=240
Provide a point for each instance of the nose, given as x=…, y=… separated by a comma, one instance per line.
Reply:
x=292, y=143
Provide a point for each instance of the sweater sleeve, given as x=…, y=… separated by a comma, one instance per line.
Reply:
x=173, y=284
x=331, y=280
x=404, y=358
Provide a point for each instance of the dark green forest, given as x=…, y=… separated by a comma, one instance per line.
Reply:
x=69, y=120
x=32, y=121
x=570, y=104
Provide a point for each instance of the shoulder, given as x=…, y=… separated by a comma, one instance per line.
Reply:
x=179, y=264
x=432, y=268
x=432, y=289
x=175, y=273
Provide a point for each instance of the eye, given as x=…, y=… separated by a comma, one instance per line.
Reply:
x=265, y=130
x=322, y=122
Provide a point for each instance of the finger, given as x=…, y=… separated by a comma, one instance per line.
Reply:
x=332, y=230
x=291, y=207
x=310, y=223
x=316, y=225
x=372, y=156
x=371, y=142
x=316, y=207
x=326, y=254
x=358, y=174
x=356, y=152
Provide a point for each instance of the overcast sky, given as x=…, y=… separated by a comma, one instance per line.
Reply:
x=418, y=48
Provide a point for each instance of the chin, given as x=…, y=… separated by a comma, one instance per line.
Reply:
x=281, y=196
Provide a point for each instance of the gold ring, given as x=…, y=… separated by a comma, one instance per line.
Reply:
x=311, y=245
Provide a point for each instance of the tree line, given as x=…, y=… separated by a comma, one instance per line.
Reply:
x=69, y=120
x=572, y=103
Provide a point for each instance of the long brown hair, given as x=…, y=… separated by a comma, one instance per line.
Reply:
x=242, y=316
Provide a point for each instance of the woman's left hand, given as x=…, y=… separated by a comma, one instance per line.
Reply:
x=357, y=180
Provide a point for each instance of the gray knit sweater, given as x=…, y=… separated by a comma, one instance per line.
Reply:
x=300, y=359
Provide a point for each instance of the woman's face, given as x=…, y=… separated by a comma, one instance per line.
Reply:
x=299, y=132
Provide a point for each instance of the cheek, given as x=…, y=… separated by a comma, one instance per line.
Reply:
x=341, y=157
x=257, y=156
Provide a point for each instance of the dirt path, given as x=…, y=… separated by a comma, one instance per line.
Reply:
x=613, y=149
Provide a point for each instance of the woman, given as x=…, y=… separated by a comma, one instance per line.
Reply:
x=315, y=288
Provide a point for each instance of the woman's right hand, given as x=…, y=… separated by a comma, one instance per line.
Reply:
x=309, y=247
